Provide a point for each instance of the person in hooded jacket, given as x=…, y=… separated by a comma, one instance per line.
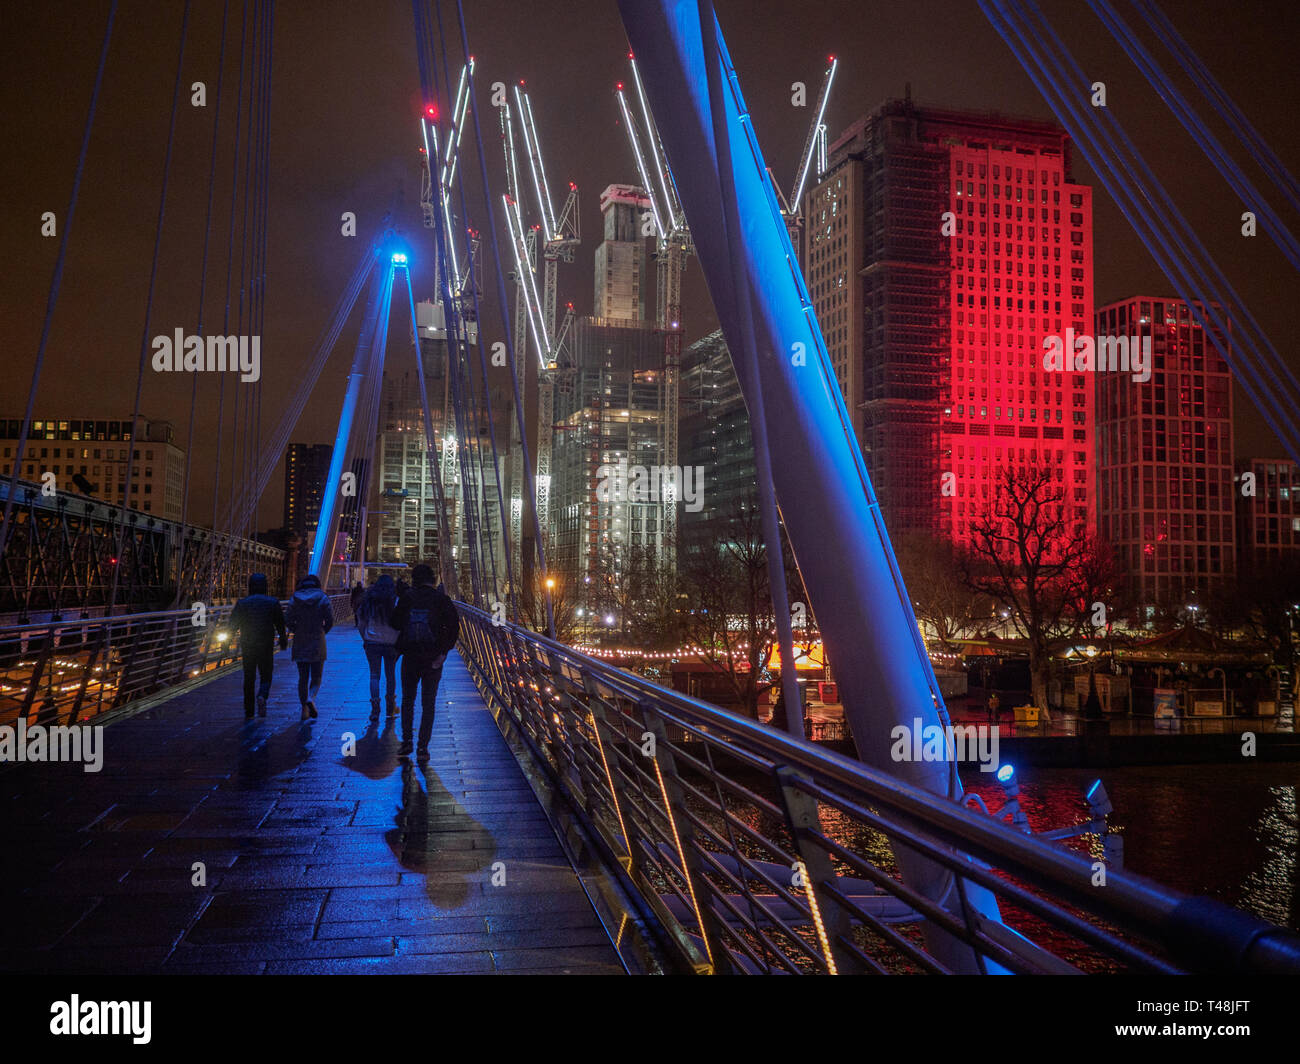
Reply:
x=379, y=639
x=257, y=619
x=428, y=627
x=310, y=617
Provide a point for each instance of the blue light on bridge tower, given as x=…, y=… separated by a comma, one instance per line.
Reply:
x=399, y=258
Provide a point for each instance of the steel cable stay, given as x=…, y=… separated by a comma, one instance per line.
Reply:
x=56, y=281
x=203, y=287
x=1192, y=278
x=478, y=319
x=1222, y=103
x=476, y=442
x=1206, y=269
x=250, y=317
x=148, y=313
x=455, y=339
x=230, y=263
x=225, y=525
x=265, y=192
x=502, y=305
x=432, y=455
x=1201, y=134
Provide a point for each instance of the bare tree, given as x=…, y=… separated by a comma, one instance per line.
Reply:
x=564, y=608
x=1264, y=603
x=1048, y=571
x=729, y=598
x=941, y=597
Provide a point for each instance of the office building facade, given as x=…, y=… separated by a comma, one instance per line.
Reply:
x=943, y=250
x=1165, y=452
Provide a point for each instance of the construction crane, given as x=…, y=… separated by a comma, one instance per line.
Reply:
x=555, y=237
x=814, y=152
x=446, y=159
x=672, y=245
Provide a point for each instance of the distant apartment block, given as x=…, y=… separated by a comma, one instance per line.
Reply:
x=1164, y=454
x=89, y=457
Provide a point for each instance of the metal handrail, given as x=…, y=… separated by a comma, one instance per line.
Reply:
x=80, y=670
x=761, y=852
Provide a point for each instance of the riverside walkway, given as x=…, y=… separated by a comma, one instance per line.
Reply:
x=208, y=844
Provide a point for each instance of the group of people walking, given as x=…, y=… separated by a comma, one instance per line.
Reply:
x=418, y=627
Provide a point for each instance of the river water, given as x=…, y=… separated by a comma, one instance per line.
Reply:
x=1231, y=832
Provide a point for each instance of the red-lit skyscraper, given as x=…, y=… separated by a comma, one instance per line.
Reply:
x=943, y=249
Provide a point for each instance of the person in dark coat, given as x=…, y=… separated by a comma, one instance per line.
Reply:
x=428, y=627
x=310, y=617
x=358, y=593
x=257, y=618
x=379, y=639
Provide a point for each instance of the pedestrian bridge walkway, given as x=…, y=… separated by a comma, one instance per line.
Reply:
x=211, y=844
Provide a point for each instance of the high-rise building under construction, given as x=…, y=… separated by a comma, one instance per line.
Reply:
x=943, y=250
x=608, y=425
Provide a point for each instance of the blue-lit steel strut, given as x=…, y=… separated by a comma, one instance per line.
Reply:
x=381, y=283
x=820, y=480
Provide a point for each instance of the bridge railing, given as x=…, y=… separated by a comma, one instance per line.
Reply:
x=756, y=852
x=74, y=671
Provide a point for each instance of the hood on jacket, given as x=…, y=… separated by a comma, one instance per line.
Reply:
x=309, y=596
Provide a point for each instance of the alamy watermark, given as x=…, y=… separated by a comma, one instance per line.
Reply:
x=930, y=742
x=621, y=482
x=102, y=1017
x=82, y=743
x=210, y=354
x=1105, y=354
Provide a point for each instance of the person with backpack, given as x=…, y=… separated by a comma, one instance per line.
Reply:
x=256, y=619
x=379, y=640
x=310, y=617
x=428, y=627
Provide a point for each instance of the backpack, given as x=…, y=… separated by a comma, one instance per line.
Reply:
x=418, y=633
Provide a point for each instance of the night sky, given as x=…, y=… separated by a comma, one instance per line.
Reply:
x=344, y=138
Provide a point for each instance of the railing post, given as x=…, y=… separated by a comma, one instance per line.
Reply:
x=85, y=679
x=596, y=708
x=38, y=671
x=697, y=883
x=831, y=920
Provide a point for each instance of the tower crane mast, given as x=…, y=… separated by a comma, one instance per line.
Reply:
x=672, y=245
x=558, y=237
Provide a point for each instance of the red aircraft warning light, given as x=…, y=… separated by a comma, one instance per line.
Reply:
x=431, y=112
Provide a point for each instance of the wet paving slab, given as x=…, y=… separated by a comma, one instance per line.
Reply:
x=211, y=844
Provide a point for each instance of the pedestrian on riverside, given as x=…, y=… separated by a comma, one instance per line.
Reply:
x=428, y=627
x=994, y=703
x=310, y=617
x=256, y=619
x=379, y=640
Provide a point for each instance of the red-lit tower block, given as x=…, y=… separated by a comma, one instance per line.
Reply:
x=943, y=247
x=1165, y=456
